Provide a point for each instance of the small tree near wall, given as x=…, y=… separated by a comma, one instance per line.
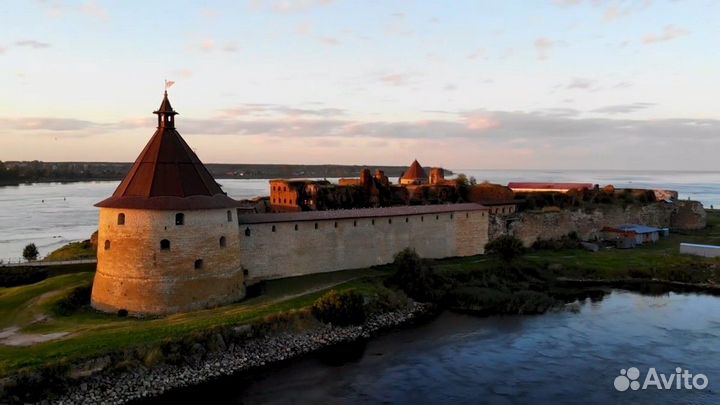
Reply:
x=30, y=252
x=506, y=246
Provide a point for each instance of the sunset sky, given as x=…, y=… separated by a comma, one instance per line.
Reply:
x=566, y=84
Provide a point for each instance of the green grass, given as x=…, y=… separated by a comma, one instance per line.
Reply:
x=94, y=333
x=73, y=251
x=22, y=305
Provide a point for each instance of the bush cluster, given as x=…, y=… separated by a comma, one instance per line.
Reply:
x=340, y=308
x=76, y=299
x=506, y=246
x=491, y=301
x=419, y=281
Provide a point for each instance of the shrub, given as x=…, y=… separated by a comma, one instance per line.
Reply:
x=73, y=301
x=418, y=281
x=386, y=300
x=345, y=308
x=492, y=301
x=30, y=252
x=293, y=319
x=569, y=241
x=152, y=356
x=506, y=246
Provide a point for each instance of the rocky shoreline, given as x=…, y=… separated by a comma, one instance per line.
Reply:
x=139, y=383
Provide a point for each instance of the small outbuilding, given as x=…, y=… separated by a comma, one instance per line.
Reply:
x=628, y=236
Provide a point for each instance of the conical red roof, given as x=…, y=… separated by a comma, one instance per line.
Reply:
x=168, y=175
x=414, y=172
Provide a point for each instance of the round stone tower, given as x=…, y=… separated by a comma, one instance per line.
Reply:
x=168, y=237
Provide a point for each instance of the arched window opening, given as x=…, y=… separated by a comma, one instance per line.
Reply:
x=389, y=220
x=407, y=219
x=422, y=219
x=354, y=223
x=107, y=245
x=179, y=218
x=273, y=228
x=223, y=241
x=198, y=264
x=164, y=244
x=229, y=216
x=335, y=224
x=121, y=219
x=437, y=217
x=247, y=231
x=452, y=216
x=373, y=222
x=316, y=225
x=296, y=227
x=467, y=215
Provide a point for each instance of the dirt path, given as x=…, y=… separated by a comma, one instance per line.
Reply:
x=12, y=337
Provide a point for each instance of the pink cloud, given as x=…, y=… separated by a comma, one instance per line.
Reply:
x=543, y=46
x=481, y=123
x=669, y=33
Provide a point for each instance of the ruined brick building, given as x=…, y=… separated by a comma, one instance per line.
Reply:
x=414, y=187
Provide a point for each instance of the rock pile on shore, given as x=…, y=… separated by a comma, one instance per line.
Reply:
x=114, y=388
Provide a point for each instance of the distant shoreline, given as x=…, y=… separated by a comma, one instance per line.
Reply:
x=73, y=172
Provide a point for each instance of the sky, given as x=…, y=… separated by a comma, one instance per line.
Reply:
x=526, y=84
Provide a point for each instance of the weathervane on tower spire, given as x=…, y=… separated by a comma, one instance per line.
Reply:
x=166, y=113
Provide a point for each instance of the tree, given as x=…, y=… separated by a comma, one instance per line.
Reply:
x=506, y=246
x=417, y=280
x=463, y=184
x=30, y=252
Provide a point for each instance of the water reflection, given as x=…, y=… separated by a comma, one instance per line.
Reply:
x=553, y=358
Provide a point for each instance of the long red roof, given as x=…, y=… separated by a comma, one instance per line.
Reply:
x=168, y=175
x=403, y=210
x=549, y=186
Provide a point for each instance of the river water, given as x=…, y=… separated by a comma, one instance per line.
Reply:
x=564, y=357
x=53, y=214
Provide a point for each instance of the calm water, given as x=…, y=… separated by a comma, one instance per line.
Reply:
x=51, y=215
x=564, y=357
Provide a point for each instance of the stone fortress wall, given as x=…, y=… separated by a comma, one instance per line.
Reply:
x=530, y=226
x=137, y=274
x=286, y=245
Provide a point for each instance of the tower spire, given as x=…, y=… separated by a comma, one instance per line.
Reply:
x=166, y=114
